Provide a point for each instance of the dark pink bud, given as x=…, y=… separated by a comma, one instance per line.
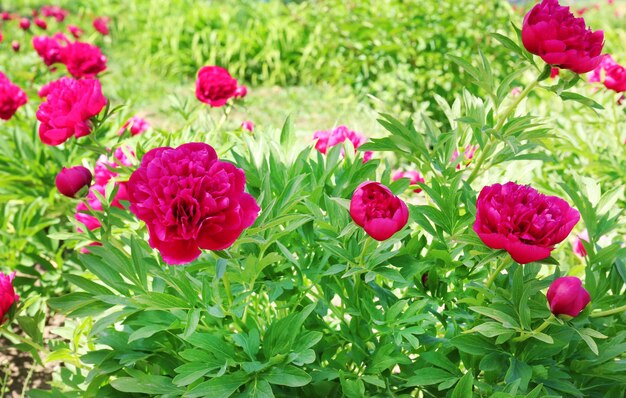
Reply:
x=24, y=23
x=70, y=181
x=375, y=208
x=41, y=23
x=241, y=92
x=247, y=125
x=566, y=295
x=7, y=295
x=15, y=45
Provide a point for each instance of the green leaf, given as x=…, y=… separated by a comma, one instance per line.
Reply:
x=287, y=133
x=149, y=384
x=428, y=376
x=519, y=370
x=570, y=96
x=472, y=344
x=352, y=388
x=145, y=332
x=506, y=320
x=260, y=389
x=464, y=388
x=289, y=376
x=213, y=344
x=160, y=301
x=219, y=387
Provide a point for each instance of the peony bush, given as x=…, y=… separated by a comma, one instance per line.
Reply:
x=475, y=250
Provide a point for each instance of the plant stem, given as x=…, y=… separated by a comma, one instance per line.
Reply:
x=484, y=152
x=21, y=339
x=506, y=262
x=526, y=336
x=608, y=312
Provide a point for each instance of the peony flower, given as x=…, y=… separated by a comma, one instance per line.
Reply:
x=566, y=295
x=328, y=139
x=560, y=39
x=6, y=16
x=468, y=155
x=101, y=24
x=215, y=86
x=615, y=78
x=82, y=211
x=15, y=45
x=522, y=221
x=190, y=200
x=7, y=295
x=83, y=59
x=50, y=48
x=71, y=181
x=24, y=23
x=240, y=92
x=247, y=125
x=41, y=23
x=597, y=75
x=412, y=175
x=136, y=125
x=579, y=249
x=56, y=12
x=68, y=107
x=377, y=210
x=75, y=31
x=12, y=97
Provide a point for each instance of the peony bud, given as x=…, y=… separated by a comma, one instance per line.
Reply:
x=566, y=295
x=41, y=23
x=24, y=23
x=7, y=295
x=70, y=181
x=240, y=92
x=375, y=208
x=247, y=125
x=15, y=45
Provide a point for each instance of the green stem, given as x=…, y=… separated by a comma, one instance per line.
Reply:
x=527, y=335
x=506, y=262
x=21, y=339
x=616, y=124
x=484, y=152
x=608, y=312
x=229, y=293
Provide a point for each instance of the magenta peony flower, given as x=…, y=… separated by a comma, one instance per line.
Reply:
x=56, y=12
x=560, y=39
x=50, y=48
x=615, y=78
x=412, y=175
x=522, y=221
x=375, y=208
x=566, y=295
x=75, y=31
x=83, y=59
x=328, y=139
x=24, y=23
x=101, y=24
x=82, y=211
x=15, y=45
x=247, y=125
x=215, y=86
x=136, y=125
x=241, y=92
x=41, y=23
x=597, y=75
x=68, y=107
x=12, y=97
x=7, y=295
x=70, y=181
x=6, y=16
x=190, y=200
x=468, y=155
x=579, y=249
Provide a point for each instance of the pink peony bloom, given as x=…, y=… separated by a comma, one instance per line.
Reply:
x=12, y=97
x=190, y=200
x=68, y=107
x=412, y=175
x=566, y=295
x=522, y=221
x=136, y=125
x=24, y=23
x=6, y=16
x=82, y=211
x=56, y=12
x=468, y=155
x=377, y=210
x=7, y=295
x=75, y=31
x=328, y=139
x=597, y=75
x=616, y=78
x=50, y=48
x=240, y=92
x=579, y=249
x=560, y=39
x=101, y=24
x=71, y=181
x=41, y=23
x=215, y=86
x=247, y=125
x=15, y=45
x=83, y=59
